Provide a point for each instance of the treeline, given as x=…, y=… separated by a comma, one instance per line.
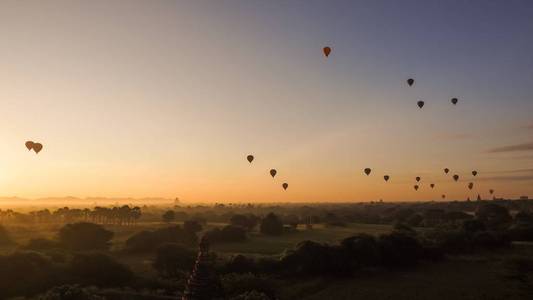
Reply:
x=118, y=215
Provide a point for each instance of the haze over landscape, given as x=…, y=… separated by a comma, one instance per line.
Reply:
x=165, y=99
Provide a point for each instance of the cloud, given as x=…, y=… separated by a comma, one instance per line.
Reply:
x=513, y=148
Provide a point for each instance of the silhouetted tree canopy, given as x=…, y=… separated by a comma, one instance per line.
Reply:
x=100, y=270
x=85, y=236
x=171, y=260
x=169, y=216
x=150, y=240
x=271, y=225
x=226, y=234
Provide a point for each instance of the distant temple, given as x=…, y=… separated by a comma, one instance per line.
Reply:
x=203, y=284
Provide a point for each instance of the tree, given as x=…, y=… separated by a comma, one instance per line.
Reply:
x=85, y=236
x=245, y=221
x=192, y=226
x=171, y=260
x=5, y=239
x=227, y=234
x=399, y=250
x=362, y=249
x=271, y=225
x=494, y=216
x=169, y=216
x=150, y=240
x=99, y=269
x=69, y=292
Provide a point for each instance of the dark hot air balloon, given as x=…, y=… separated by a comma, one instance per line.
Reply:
x=285, y=186
x=417, y=178
x=37, y=147
x=443, y=196
x=446, y=170
x=491, y=191
x=29, y=145
x=327, y=51
x=470, y=185
x=416, y=187
x=273, y=172
x=386, y=177
x=367, y=171
x=250, y=158
x=474, y=173
x=432, y=185
x=454, y=101
x=455, y=177
x=420, y=104
x=410, y=81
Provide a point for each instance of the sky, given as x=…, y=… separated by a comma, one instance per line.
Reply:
x=167, y=98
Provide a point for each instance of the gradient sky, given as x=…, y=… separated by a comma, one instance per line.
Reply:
x=166, y=98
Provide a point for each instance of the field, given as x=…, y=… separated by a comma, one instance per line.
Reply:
x=480, y=276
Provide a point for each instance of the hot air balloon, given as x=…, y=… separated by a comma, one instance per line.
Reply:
x=273, y=172
x=29, y=145
x=432, y=185
x=420, y=104
x=491, y=191
x=250, y=158
x=455, y=177
x=417, y=178
x=367, y=171
x=410, y=81
x=416, y=187
x=285, y=185
x=454, y=101
x=327, y=51
x=474, y=173
x=443, y=196
x=470, y=185
x=446, y=170
x=386, y=177
x=37, y=147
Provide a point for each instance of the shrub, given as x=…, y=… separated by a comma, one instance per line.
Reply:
x=192, y=226
x=312, y=258
x=42, y=244
x=248, y=222
x=238, y=284
x=240, y=264
x=172, y=260
x=85, y=236
x=472, y=226
x=252, y=295
x=362, y=250
x=69, y=292
x=271, y=225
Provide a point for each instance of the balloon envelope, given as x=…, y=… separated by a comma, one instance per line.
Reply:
x=491, y=192
x=417, y=179
x=410, y=81
x=285, y=186
x=250, y=158
x=474, y=173
x=443, y=196
x=455, y=177
x=454, y=101
x=367, y=171
x=420, y=104
x=37, y=147
x=273, y=172
x=470, y=185
x=327, y=51
x=432, y=185
x=386, y=177
x=446, y=170
x=416, y=187
x=29, y=145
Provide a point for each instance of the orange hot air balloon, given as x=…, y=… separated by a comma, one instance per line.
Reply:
x=474, y=173
x=285, y=186
x=420, y=104
x=470, y=185
x=432, y=185
x=367, y=171
x=416, y=187
x=37, y=147
x=250, y=158
x=386, y=177
x=491, y=191
x=454, y=101
x=327, y=51
x=410, y=81
x=455, y=177
x=446, y=170
x=29, y=145
x=443, y=196
x=273, y=172
x=417, y=178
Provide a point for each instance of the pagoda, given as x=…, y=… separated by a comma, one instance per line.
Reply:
x=203, y=283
